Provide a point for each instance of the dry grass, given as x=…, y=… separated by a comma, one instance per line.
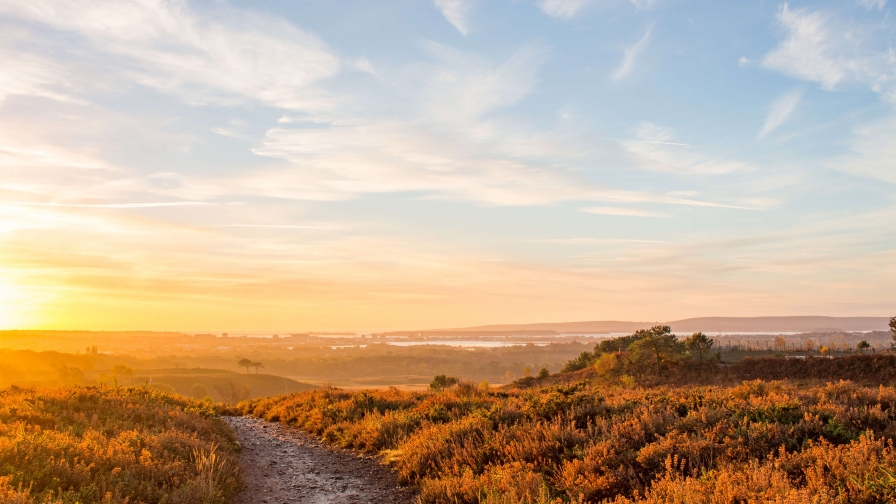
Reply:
x=112, y=445
x=758, y=441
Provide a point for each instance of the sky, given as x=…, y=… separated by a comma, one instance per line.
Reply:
x=354, y=165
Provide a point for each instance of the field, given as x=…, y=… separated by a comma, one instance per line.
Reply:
x=599, y=440
x=112, y=445
x=27, y=368
x=216, y=381
x=372, y=366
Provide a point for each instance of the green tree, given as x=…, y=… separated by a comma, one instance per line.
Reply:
x=584, y=360
x=246, y=363
x=699, y=345
x=657, y=345
x=441, y=382
x=544, y=373
x=862, y=346
x=609, y=364
x=618, y=344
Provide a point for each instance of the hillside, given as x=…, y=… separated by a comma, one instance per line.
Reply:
x=622, y=443
x=216, y=380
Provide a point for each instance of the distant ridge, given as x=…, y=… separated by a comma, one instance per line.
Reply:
x=784, y=324
x=596, y=327
x=705, y=324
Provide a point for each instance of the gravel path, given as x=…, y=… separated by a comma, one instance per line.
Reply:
x=283, y=465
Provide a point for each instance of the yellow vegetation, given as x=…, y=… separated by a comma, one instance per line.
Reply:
x=112, y=445
x=758, y=441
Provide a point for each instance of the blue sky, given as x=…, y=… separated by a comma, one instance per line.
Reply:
x=372, y=165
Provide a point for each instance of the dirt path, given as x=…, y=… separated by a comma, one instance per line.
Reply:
x=283, y=465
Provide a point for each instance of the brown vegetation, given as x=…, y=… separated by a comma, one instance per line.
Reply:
x=610, y=440
x=868, y=370
x=112, y=445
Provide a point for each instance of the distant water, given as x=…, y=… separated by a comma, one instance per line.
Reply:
x=565, y=338
x=469, y=343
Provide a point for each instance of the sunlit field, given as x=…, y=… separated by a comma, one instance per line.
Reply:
x=113, y=445
x=589, y=442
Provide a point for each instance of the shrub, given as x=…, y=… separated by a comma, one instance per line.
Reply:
x=584, y=360
x=599, y=442
x=440, y=382
x=113, y=445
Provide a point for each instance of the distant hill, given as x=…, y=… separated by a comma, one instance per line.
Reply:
x=705, y=324
x=784, y=324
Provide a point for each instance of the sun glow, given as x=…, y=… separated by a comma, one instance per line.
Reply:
x=12, y=314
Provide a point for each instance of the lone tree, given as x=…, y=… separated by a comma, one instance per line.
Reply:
x=246, y=363
x=257, y=365
x=699, y=345
x=656, y=344
x=862, y=346
x=441, y=382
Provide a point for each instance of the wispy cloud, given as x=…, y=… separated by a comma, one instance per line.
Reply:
x=808, y=51
x=873, y=4
x=232, y=55
x=631, y=54
x=563, y=9
x=457, y=12
x=653, y=149
x=119, y=205
x=589, y=241
x=31, y=75
x=819, y=48
x=622, y=211
x=363, y=65
x=460, y=86
x=272, y=226
x=873, y=151
x=568, y=9
x=780, y=111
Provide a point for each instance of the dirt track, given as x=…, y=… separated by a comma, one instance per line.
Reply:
x=283, y=465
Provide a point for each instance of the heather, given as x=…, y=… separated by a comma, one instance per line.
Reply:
x=614, y=440
x=113, y=445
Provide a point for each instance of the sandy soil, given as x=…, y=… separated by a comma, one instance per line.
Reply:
x=283, y=465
